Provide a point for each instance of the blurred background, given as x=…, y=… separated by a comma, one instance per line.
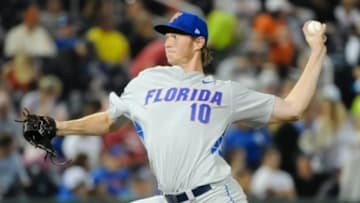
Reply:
x=62, y=57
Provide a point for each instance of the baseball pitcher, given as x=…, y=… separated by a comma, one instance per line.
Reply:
x=181, y=114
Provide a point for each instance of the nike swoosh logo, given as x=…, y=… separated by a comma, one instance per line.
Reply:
x=207, y=82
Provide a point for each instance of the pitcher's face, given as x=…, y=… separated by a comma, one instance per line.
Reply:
x=179, y=48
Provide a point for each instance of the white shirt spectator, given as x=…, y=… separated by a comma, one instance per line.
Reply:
x=266, y=179
x=352, y=49
x=35, y=42
x=91, y=146
x=74, y=176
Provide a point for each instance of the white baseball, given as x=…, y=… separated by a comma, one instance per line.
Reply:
x=314, y=27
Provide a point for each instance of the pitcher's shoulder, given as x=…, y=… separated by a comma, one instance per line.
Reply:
x=149, y=75
x=158, y=71
x=210, y=79
x=225, y=86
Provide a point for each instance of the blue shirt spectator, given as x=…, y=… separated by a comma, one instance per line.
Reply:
x=113, y=175
x=253, y=141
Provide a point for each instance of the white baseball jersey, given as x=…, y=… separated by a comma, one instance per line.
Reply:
x=181, y=118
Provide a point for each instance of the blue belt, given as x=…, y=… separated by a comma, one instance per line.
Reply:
x=182, y=197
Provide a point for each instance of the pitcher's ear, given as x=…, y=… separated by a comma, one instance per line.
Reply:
x=199, y=43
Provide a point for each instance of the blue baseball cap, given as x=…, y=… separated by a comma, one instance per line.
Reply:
x=185, y=23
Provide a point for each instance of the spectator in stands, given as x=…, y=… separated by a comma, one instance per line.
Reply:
x=112, y=177
x=64, y=33
x=273, y=29
x=253, y=141
x=111, y=45
x=350, y=180
x=73, y=60
x=7, y=117
x=76, y=181
x=20, y=74
x=50, y=16
x=307, y=183
x=137, y=26
x=13, y=176
x=328, y=138
x=29, y=37
x=347, y=14
x=269, y=181
x=112, y=48
x=44, y=180
x=146, y=50
x=352, y=45
x=91, y=146
x=44, y=100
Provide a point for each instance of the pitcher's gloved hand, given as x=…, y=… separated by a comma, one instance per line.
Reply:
x=38, y=131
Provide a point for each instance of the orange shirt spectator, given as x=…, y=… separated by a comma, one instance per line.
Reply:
x=275, y=32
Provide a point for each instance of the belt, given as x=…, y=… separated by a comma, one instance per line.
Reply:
x=182, y=197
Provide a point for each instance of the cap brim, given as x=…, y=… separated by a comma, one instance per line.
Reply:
x=163, y=29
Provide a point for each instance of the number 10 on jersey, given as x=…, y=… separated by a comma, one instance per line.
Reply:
x=200, y=112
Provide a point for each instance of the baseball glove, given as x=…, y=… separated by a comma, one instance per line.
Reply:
x=38, y=131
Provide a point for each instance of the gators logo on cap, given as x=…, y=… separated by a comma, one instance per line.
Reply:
x=176, y=15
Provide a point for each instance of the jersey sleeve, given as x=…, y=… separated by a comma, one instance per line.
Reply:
x=252, y=107
x=121, y=105
x=129, y=102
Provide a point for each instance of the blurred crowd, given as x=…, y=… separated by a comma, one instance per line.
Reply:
x=61, y=58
